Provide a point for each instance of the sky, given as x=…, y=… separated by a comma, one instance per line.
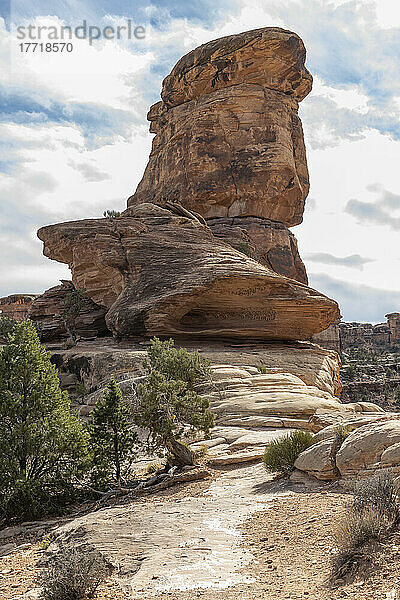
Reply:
x=74, y=138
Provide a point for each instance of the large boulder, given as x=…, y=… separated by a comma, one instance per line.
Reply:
x=229, y=141
x=48, y=311
x=354, y=445
x=160, y=273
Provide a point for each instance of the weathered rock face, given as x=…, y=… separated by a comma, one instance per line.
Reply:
x=242, y=396
x=371, y=443
x=47, y=311
x=268, y=242
x=164, y=274
x=330, y=338
x=229, y=141
x=393, y=320
x=16, y=306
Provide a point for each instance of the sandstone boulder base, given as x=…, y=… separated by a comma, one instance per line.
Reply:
x=268, y=242
x=160, y=273
x=371, y=442
x=229, y=141
x=48, y=312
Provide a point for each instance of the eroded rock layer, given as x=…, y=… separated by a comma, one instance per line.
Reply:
x=268, y=242
x=48, y=311
x=229, y=141
x=16, y=306
x=161, y=273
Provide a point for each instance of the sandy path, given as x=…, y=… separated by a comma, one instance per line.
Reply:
x=192, y=542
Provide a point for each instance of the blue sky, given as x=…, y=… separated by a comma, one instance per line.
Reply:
x=74, y=138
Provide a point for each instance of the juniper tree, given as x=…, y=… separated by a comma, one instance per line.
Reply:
x=43, y=446
x=168, y=405
x=113, y=438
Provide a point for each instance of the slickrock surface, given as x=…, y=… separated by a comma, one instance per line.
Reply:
x=229, y=141
x=159, y=273
x=48, y=310
x=92, y=362
x=268, y=242
x=16, y=306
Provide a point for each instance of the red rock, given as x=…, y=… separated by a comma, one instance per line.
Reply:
x=229, y=141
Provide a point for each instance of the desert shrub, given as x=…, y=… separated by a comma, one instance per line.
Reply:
x=43, y=446
x=167, y=404
x=113, y=439
x=341, y=433
x=244, y=248
x=353, y=537
x=6, y=326
x=73, y=574
x=371, y=516
x=177, y=363
x=280, y=455
x=380, y=492
x=262, y=369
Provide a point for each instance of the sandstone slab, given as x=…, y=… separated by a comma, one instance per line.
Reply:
x=159, y=273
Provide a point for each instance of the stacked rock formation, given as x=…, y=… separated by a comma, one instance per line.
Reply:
x=229, y=142
x=228, y=148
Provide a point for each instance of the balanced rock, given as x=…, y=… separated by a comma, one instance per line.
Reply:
x=229, y=141
x=48, y=311
x=161, y=273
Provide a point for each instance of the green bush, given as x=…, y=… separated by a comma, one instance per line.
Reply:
x=73, y=575
x=111, y=214
x=113, y=440
x=177, y=363
x=167, y=404
x=280, y=455
x=43, y=446
x=6, y=326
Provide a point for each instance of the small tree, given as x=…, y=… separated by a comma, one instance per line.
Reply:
x=42, y=445
x=167, y=405
x=7, y=325
x=112, y=436
x=74, y=302
x=111, y=214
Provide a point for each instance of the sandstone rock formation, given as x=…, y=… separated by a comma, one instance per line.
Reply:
x=330, y=338
x=393, y=321
x=16, y=306
x=229, y=141
x=371, y=443
x=341, y=336
x=170, y=276
x=268, y=242
x=48, y=312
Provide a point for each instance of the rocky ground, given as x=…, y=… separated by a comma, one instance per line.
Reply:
x=240, y=534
